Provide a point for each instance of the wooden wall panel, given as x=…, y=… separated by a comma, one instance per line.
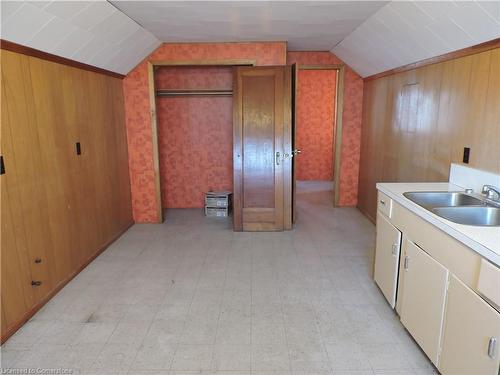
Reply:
x=57, y=206
x=417, y=122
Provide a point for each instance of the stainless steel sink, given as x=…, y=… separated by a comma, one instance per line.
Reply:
x=457, y=206
x=430, y=199
x=471, y=215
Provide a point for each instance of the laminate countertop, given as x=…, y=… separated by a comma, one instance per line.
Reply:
x=484, y=240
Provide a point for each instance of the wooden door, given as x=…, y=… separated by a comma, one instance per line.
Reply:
x=295, y=85
x=472, y=333
x=424, y=296
x=262, y=149
x=387, y=258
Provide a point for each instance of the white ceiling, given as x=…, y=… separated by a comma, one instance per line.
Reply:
x=92, y=32
x=406, y=32
x=370, y=36
x=305, y=25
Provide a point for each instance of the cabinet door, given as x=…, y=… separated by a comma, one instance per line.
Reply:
x=424, y=296
x=387, y=258
x=26, y=172
x=471, y=328
x=262, y=173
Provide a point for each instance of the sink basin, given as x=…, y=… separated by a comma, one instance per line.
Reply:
x=430, y=199
x=479, y=216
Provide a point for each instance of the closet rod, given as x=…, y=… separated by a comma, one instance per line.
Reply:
x=170, y=93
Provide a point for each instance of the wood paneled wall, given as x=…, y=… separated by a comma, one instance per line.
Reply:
x=58, y=209
x=417, y=122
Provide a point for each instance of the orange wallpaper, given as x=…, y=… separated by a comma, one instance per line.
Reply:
x=351, y=122
x=137, y=115
x=195, y=135
x=315, y=124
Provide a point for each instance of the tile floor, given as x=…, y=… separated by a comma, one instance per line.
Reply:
x=191, y=296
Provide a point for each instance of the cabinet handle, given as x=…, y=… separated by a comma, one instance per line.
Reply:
x=38, y=260
x=382, y=202
x=491, y=347
x=406, y=262
x=36, y=283
x=395, y=249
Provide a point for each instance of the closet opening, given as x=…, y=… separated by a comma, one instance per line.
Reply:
x=192, y=122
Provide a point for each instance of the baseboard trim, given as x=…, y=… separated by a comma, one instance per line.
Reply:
x=366, y=214
x=29, y=314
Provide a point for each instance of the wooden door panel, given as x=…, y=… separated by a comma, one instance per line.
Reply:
x=24, y=159
x=54, y=133
x=258, y=145
x=261, y=99
x=294, y=88
x=17, y=295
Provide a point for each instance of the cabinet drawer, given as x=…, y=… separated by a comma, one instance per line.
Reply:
x=489, y=282
x=384, y=204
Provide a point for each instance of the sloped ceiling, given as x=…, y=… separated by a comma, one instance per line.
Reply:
x=404, y=32
x=305, y=25
x=370, y=36
x=92, y=32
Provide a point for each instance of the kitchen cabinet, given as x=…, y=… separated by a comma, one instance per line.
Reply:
x=446, y=293
x=471, y=333
x=387, y=254
x=423, y=298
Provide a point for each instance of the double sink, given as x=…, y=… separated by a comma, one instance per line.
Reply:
x=458, y=207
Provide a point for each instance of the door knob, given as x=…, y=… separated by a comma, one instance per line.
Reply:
x=296, y=152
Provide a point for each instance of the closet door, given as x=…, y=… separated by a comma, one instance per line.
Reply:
x=26, y=175
x=17, y=294
x=262, y=167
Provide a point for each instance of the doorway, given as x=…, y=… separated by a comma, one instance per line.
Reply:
x=191, y=117
x=318, y=132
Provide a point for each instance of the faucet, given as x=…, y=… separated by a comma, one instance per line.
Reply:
x=491, y=192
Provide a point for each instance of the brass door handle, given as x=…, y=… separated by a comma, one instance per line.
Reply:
x=296, y=152
x=278, y=158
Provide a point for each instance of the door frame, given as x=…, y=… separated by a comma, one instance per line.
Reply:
x=152, y=109
x=337, y=126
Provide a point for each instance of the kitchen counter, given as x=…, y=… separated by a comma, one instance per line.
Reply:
x=484, y=240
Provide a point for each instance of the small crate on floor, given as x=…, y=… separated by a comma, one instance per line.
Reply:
x=217, y=203
x=216, y=212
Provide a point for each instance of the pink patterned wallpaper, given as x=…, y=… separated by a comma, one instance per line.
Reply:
x=195, y=135
x=351, y=122
x=315, y=124
x=137, y=113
